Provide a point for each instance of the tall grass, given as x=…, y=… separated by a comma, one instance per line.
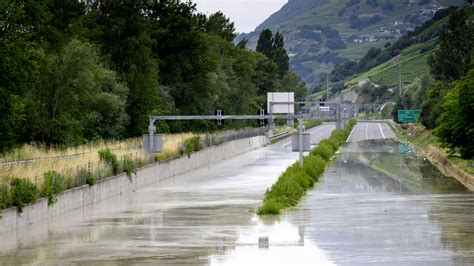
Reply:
x=75, y=160
x=53, y=170
x=292, y=185
x=48, y=171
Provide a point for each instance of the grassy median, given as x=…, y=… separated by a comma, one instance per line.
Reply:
x=292, y=185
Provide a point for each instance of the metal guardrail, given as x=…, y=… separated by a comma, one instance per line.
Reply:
x=61, y=157
x=211, y=140
x=276, y=136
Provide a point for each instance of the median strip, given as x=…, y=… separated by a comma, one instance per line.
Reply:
x=292, y=184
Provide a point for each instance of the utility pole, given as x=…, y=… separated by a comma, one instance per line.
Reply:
x=300, y=139
x=327, y=87
x=399, y=76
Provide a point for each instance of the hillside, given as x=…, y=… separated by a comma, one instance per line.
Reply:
x=321, y=33
x=413, y=57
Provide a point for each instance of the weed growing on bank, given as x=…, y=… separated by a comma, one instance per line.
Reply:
x=292, y=185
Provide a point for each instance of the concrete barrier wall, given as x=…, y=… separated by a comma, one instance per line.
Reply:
x=113, y=186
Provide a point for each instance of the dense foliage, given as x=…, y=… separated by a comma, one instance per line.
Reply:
x=449, y=103
x=452, y=60
x=72, y=72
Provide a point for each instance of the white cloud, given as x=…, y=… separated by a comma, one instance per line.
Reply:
x=246, y=14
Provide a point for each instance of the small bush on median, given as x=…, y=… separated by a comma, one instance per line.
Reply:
x=270, y=206
x=324, y=150
x=314, y=166
x=338, y=137
x=294, y=182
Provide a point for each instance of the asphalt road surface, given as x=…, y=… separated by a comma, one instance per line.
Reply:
x=370, y=130
x=317, y=134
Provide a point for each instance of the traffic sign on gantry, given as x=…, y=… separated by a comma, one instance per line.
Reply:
x=408, y=116
x=281, y=102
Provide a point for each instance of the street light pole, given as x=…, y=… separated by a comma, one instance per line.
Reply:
x=327, y=86
x=300, y=139
x=399, y=76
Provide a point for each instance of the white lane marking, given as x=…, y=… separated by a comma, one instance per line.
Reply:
x=312, y=130
x=352, y=131
x=317, y=130
x=381, y=131
x=367, y=131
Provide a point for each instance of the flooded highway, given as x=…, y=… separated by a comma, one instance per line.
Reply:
x=373, y=206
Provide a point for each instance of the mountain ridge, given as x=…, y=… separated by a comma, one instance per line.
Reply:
x=322, y=33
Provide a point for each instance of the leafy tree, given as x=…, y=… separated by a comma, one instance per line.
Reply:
x=280, y=56
x=398, y=106
x=80, y=99
x=219, y=24
x=265, y=43
x=13, y=115
x=124, y=36
x=452, y=60
x=431, y=106
x=243, y=43
x=456, y=123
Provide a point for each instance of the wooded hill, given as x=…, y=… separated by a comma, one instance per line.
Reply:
x=71, y=73
x=437, y=66
x=321, y=33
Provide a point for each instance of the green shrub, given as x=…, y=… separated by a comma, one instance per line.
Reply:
x=129, y=167
x=90, y=178
x=5, y=198
x=338, y=137
x=332, y=144
x=312, y=123
x=23, y=191
x=53, y=185
x=294, y=182
x=314, y=166
x=324, y=150
x=192, y=144
x=270, y=206
x=109, y=157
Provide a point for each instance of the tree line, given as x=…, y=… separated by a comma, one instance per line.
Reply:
x=446, y=95
x=72, y=72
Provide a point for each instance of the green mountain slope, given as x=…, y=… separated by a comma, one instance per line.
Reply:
x=413, y=58
x=321, y=33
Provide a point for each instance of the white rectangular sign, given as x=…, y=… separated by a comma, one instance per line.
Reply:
x=280, y=102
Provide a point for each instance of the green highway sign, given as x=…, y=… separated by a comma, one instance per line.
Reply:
x=403, y=149
x=408, y=116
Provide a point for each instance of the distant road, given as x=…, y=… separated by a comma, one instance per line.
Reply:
x=317, y=134
x=371, y=130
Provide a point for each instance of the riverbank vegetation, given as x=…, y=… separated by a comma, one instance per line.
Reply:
x=292, y=185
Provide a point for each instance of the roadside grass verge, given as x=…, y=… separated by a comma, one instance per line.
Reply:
x=422, y=138
x=52, y=170
x=292, y=184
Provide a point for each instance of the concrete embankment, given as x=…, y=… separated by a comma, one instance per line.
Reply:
x=445, y=165
x=113, y=186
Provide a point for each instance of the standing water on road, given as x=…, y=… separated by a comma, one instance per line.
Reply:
x=371, y=207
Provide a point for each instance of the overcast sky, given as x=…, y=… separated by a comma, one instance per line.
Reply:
x=246, y=14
